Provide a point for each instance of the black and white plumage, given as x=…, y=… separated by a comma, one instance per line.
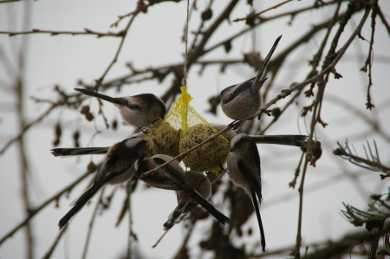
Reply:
x=185, y=200
x=173, y=177
x=117, y=167
x=138, y=110
x=242, y=101
x=243, y=164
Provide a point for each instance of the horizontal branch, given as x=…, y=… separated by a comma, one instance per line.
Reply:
x=346, y=243
x=85, y=32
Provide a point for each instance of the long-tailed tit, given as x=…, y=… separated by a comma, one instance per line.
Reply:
x=242, y=101
x=243, y=164
x=173, y=177
x=138, y=110
x=185, y=200
x=117, y=167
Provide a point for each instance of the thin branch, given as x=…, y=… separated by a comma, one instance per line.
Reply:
x=91, y=224
x=253, y=15
x=85, y=32
x=100, y=80
x=52, y=248
x=28, y=126
x=43, y=205
x=346, y=243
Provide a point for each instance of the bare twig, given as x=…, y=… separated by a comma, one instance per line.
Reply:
x=43, y=205
x=52, y=248
x=346, y=243
x=371, y=162
x=91, y=224
x=85, y=32
x=28, y=126
x=253, y=15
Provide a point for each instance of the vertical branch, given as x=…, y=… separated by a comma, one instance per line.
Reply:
x=91, y=224
x=20, y=92
x=24, y=165
x=130, y=235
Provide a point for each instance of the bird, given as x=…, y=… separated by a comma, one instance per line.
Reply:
x=185, y=201
x=117, y=167
x=242, y=101
x=243, y=165
x=137, y=110
x=173, y=177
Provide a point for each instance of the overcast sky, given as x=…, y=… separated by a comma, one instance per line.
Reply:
x=154, y=39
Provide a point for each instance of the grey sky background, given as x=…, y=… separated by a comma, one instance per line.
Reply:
x=154, y=39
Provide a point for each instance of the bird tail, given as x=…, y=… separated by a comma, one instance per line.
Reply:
x=79, y=151
x=84, y=198
x=290, y=140
x=210, y=208
x=261, y=75
x=107, y=98
x=256, y=202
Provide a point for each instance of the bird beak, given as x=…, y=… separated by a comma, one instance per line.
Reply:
x=119, y=101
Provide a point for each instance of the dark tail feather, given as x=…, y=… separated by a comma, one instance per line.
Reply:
x=289, y=140
x=258, y=216
x=107, y=98
x=79, y=151
x=210, y=208
x=261, y=75
x=84, y=198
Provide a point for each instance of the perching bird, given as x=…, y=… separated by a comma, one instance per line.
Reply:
x=242, y=101
x=173, y=177
x=185, y=201
x=243, y=164
x=117, y=167
x=201, y=184
x=138, y=110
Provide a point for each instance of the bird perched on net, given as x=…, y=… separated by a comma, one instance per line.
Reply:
x=173, y=177
x=137, y=110
x=185, y=200
x=242, y=101
x=117, y=167
x=243, y=164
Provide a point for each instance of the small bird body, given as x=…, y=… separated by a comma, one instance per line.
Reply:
x=138, y=110
x=186, y=200
x=243, y=164
x=117, y=167
x=242, y=101
x=173, y=177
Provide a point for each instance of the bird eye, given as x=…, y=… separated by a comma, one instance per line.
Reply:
x=134, y=107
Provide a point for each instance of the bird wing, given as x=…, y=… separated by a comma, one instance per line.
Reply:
x=249, y=166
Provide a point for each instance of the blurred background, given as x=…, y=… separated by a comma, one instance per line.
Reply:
x=36, y=68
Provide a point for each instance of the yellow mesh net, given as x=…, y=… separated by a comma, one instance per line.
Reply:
x=193, y=130
x=181, y=116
